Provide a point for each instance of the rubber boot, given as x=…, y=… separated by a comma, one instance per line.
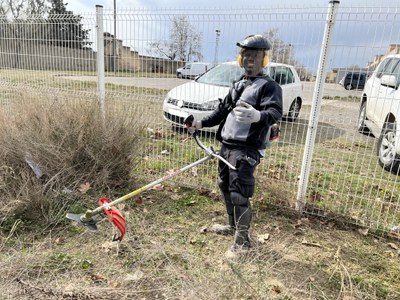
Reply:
x=242, y=214
x=228, y=229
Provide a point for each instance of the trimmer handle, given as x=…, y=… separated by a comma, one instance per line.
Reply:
x=210, y=151
x=189, y=121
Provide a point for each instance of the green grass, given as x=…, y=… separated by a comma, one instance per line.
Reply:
x=46, y=80
x=344, y=177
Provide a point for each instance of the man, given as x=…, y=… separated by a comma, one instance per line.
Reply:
x=252, y=105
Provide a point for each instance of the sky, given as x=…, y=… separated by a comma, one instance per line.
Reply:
x=88, y=5
x=358, y=35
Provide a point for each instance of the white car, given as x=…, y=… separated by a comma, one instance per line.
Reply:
x=201, y=96
x=380, y=111
x=192, y=70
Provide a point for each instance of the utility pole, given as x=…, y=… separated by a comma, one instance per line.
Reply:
x=217, y=34
x=115, y=38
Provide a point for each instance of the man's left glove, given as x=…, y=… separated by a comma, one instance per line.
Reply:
x=245, y=113
x=196, y=125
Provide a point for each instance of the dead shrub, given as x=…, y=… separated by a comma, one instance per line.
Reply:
x=54, y=146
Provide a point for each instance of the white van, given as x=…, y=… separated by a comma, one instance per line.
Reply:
x=191, y=70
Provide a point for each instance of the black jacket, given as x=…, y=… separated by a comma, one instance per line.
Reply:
x=265, y=95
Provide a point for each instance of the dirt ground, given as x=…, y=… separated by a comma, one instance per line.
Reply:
x=169, y=253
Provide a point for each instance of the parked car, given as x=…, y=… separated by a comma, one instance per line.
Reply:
x=200, y=97
x=192, y=70
x=380, y=111
x=354, y=80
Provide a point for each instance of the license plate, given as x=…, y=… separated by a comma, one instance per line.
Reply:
x=178, y=113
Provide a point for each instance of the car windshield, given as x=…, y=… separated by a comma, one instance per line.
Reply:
x=222, y=75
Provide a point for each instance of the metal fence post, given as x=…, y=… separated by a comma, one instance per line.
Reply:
x=100, y=60
x=316, y=105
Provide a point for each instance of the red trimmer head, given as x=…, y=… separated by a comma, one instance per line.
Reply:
x=116, y=217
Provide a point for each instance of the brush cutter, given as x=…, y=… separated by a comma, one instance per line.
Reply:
x=89, y=218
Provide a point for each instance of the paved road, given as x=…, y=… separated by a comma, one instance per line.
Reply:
x=330, y=89
x=148, y=82
x=169, y=83
x=338, y=113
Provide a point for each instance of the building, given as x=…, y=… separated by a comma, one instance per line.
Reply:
x=121, y=58
x=393, y=49
x=336, y=74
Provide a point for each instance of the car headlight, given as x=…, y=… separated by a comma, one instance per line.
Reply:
x=210, y=105
x=170, y=100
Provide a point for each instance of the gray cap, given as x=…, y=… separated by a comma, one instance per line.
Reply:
x=256, y=41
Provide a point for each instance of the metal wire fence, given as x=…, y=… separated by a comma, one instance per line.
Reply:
x=143, y=49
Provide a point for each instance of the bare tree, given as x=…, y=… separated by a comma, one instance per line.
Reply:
x=281, y=51
x=23, y=8
x=184, y=42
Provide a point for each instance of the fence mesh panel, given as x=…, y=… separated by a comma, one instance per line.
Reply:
x=144, y=49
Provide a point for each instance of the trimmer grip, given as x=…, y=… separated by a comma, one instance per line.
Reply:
x=189, y=121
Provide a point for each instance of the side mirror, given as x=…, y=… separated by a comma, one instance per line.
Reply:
x=389, y=80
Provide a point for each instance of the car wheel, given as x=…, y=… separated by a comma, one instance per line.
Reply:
x=294, y=111
x=179, y=75
x=348, y=86
x=362, y=116
x=387, y=157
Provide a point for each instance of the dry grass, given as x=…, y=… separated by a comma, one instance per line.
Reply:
x=54, y=150
x=168, y=253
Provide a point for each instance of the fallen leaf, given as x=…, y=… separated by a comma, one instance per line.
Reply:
x=60, y=240
x=276, y=289
x=139, y=201
x=134, y=277
x=203, y=229
x=363, y=232
x=315, y=197
x=83, y=188
x=393, y=246
x=349, y=298
x=107, y=246
x=395, y=231
x=389, y=253
x=98, y=278
x=158, y=135
x=175, y=197
x=301, y=221
x=262, y=238
x=121, y=206
x=194, y=171
x=145, y=210
x=158, y=187
x=304, y=242
x=114, y=284
x=334, y=193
